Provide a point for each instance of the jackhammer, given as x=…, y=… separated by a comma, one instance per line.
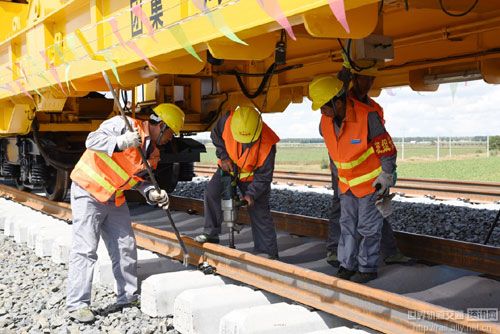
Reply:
x=230, y=202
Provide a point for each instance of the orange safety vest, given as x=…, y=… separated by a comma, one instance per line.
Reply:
x=253, y=157
x=371, y=106
x=357, y=164
x=104, y=176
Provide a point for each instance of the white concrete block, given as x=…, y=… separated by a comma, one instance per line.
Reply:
x=103, y=270
x=21, y=229
x=44, y=223
x=200, y=310
x=17, y=216
x=45, y=238
x=276, y=318
x=61, y=248
x=158, y=292
x=7, y=208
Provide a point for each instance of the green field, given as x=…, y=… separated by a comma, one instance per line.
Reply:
x=466, y=163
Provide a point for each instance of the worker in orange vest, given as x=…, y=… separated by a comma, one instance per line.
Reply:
x=364, y=159
x=362, y=81
x=111, y=164
x=245, y=147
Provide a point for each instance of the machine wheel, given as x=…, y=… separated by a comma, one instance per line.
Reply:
x=20, y=185
x=168, y=176
x=57, y=184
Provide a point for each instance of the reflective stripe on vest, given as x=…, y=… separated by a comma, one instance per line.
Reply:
x=360, y=179
x=96, y=177
x=354, y=163
x=117, y=169
x=355, y=158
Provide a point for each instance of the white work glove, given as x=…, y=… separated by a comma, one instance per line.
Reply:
x=160, y=198
x=383, y=182
x=128, y=139
x=384, y=204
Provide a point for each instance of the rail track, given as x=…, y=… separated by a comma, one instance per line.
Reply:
x=378, y=309
x=481, y=192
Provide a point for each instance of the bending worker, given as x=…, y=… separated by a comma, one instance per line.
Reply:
x=246, y=148
x=110, y=165
x=362, y=82
x=364, y=159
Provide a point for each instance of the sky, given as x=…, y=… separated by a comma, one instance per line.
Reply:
x=463, y=109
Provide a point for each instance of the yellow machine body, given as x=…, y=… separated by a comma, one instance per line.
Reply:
x=52, y=53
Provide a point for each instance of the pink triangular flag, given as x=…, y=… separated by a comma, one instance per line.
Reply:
x=338, y=10
x=137, y=10
x=116, y=31
x=131, y=44
x=273, y=9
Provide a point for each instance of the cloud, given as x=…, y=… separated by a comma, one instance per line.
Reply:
x=474, y=111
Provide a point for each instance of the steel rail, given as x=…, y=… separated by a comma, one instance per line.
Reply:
x=481, y=258
x=442, y=189
x=380, y=310
x=383, y=311
x=466, y=255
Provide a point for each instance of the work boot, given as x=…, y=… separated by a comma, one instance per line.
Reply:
x=83, y=315
x=399, y=258
x=331, y=258
x=202, y=238
x=360, y=277
x=344, y=273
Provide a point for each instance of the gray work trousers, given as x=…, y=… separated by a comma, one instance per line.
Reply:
x=263, y=230
x=387, y=243
x=360, y=232
x=91, y=219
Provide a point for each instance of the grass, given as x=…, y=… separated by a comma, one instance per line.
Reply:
x=465, y=164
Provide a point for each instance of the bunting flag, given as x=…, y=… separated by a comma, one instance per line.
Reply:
x=453, y=89
x=217, y=20
x=52, y=70
x=338, y=10
x=111, y=63
x=137, y=10
x=116, y=31
x=181, y=38
x=66, y=75
x=22, y=89
x=132, y=46
x=273, y=9
x=26, y=78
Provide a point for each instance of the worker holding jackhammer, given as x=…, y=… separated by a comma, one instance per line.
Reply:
x=361, y=81
x=110, y=165
x=364, y=161
x=246, y=148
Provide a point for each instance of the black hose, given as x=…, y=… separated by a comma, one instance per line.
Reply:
x=260, y=89
x=471, y=8
x=45, y=156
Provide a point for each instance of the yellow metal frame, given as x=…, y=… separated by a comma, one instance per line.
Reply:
x=60, y=47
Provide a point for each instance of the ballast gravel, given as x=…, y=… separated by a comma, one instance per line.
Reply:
x=440, y=220
x=33, y=294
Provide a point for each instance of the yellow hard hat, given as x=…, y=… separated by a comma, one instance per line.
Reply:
x=246, y=125
x=323, y=88
x=172, y=115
